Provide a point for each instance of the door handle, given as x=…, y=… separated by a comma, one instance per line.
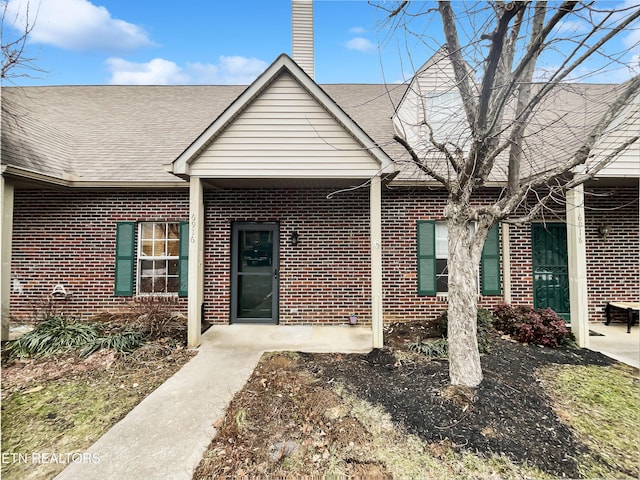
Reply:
x=275, y=273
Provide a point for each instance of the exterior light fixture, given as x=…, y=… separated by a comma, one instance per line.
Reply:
x=294, y=238
x=604, y=230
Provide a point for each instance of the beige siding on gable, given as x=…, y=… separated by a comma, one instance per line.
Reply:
x=285, y=133
x=627, y=164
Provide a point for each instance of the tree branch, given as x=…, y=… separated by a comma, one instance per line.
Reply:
x=463, y=76
x=418, y=163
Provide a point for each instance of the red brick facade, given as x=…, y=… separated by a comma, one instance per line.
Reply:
x=323, y=279
x=613, y=264
x=68, y=237
x=401, y=210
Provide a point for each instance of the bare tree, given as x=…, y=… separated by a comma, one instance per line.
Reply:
x=495, y=53
x=15, y=63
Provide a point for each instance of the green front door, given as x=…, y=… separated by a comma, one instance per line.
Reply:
x=550, y=268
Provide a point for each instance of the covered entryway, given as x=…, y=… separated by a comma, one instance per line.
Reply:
x=284, y=131
x=254, y=273
x=551, y=268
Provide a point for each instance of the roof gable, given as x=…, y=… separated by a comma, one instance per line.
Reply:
x=254, y=98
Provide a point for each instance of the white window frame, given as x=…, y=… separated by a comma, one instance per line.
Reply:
x=142, y=257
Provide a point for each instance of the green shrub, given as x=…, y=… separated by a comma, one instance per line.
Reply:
x=56, y=334
x=524, y=324
x=484, y=326
x=61, y=334
x=438, y=348
x=124, y=342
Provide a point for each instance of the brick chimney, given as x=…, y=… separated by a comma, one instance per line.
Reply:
x=302, y=34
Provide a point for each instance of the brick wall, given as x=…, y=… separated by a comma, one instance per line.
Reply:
x=68, y=237
x=613, y=264
x=401, y=210
x=323, y=279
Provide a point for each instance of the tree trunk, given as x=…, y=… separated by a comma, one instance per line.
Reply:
x=464, y=357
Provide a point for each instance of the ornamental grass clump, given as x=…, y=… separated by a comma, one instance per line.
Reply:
x=57, y=334
x=61, y=334
x=124, y=342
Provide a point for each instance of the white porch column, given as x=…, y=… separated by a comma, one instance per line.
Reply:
x=196, y=260
x=506, y=263
x=376, y=260
x=6, y=232
x=577, y=251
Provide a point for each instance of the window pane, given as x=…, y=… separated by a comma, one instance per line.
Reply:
x=146, y=268
x=160, y=268
x=442, y=284
x=147, y=248
x=173, y=248
x=441, y=240
x=146, y=285
x=160, y=285
x=147, y=231
x=442, y=276
x=159, y=248
x=173, y=267
x=172, y=284
x=174, y=231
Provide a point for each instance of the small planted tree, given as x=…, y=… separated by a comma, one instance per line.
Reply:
x=499, y=126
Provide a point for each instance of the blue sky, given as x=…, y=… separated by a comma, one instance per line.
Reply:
x=96, y=42
x=196, y=41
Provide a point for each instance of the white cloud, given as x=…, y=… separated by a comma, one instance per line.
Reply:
x=239, y=70
x=231, y=70
x=77, y=25
x=357, y=30
x=361, y=44
x=156, y=72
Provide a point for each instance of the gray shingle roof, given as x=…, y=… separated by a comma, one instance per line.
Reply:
x=117, y=134
x=129, y=134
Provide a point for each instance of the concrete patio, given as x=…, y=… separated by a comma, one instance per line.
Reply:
x=613, y=341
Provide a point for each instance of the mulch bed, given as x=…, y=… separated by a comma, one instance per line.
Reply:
x=508, y=414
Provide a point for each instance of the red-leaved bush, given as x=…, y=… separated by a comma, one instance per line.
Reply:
x=523, y=323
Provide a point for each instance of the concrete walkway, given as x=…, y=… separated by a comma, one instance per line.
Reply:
x=165, y=436
x=614, y=341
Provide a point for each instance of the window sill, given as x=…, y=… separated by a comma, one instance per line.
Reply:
x=163, y=295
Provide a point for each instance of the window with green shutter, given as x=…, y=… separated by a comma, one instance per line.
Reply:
x=125, y=258
x=433, y=272
x=426, y=245
x=490, y=263
x=162, y=258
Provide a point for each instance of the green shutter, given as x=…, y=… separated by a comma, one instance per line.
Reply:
x=125, y=258
x=183, y=265
x=491, y=263
x=426, y=257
